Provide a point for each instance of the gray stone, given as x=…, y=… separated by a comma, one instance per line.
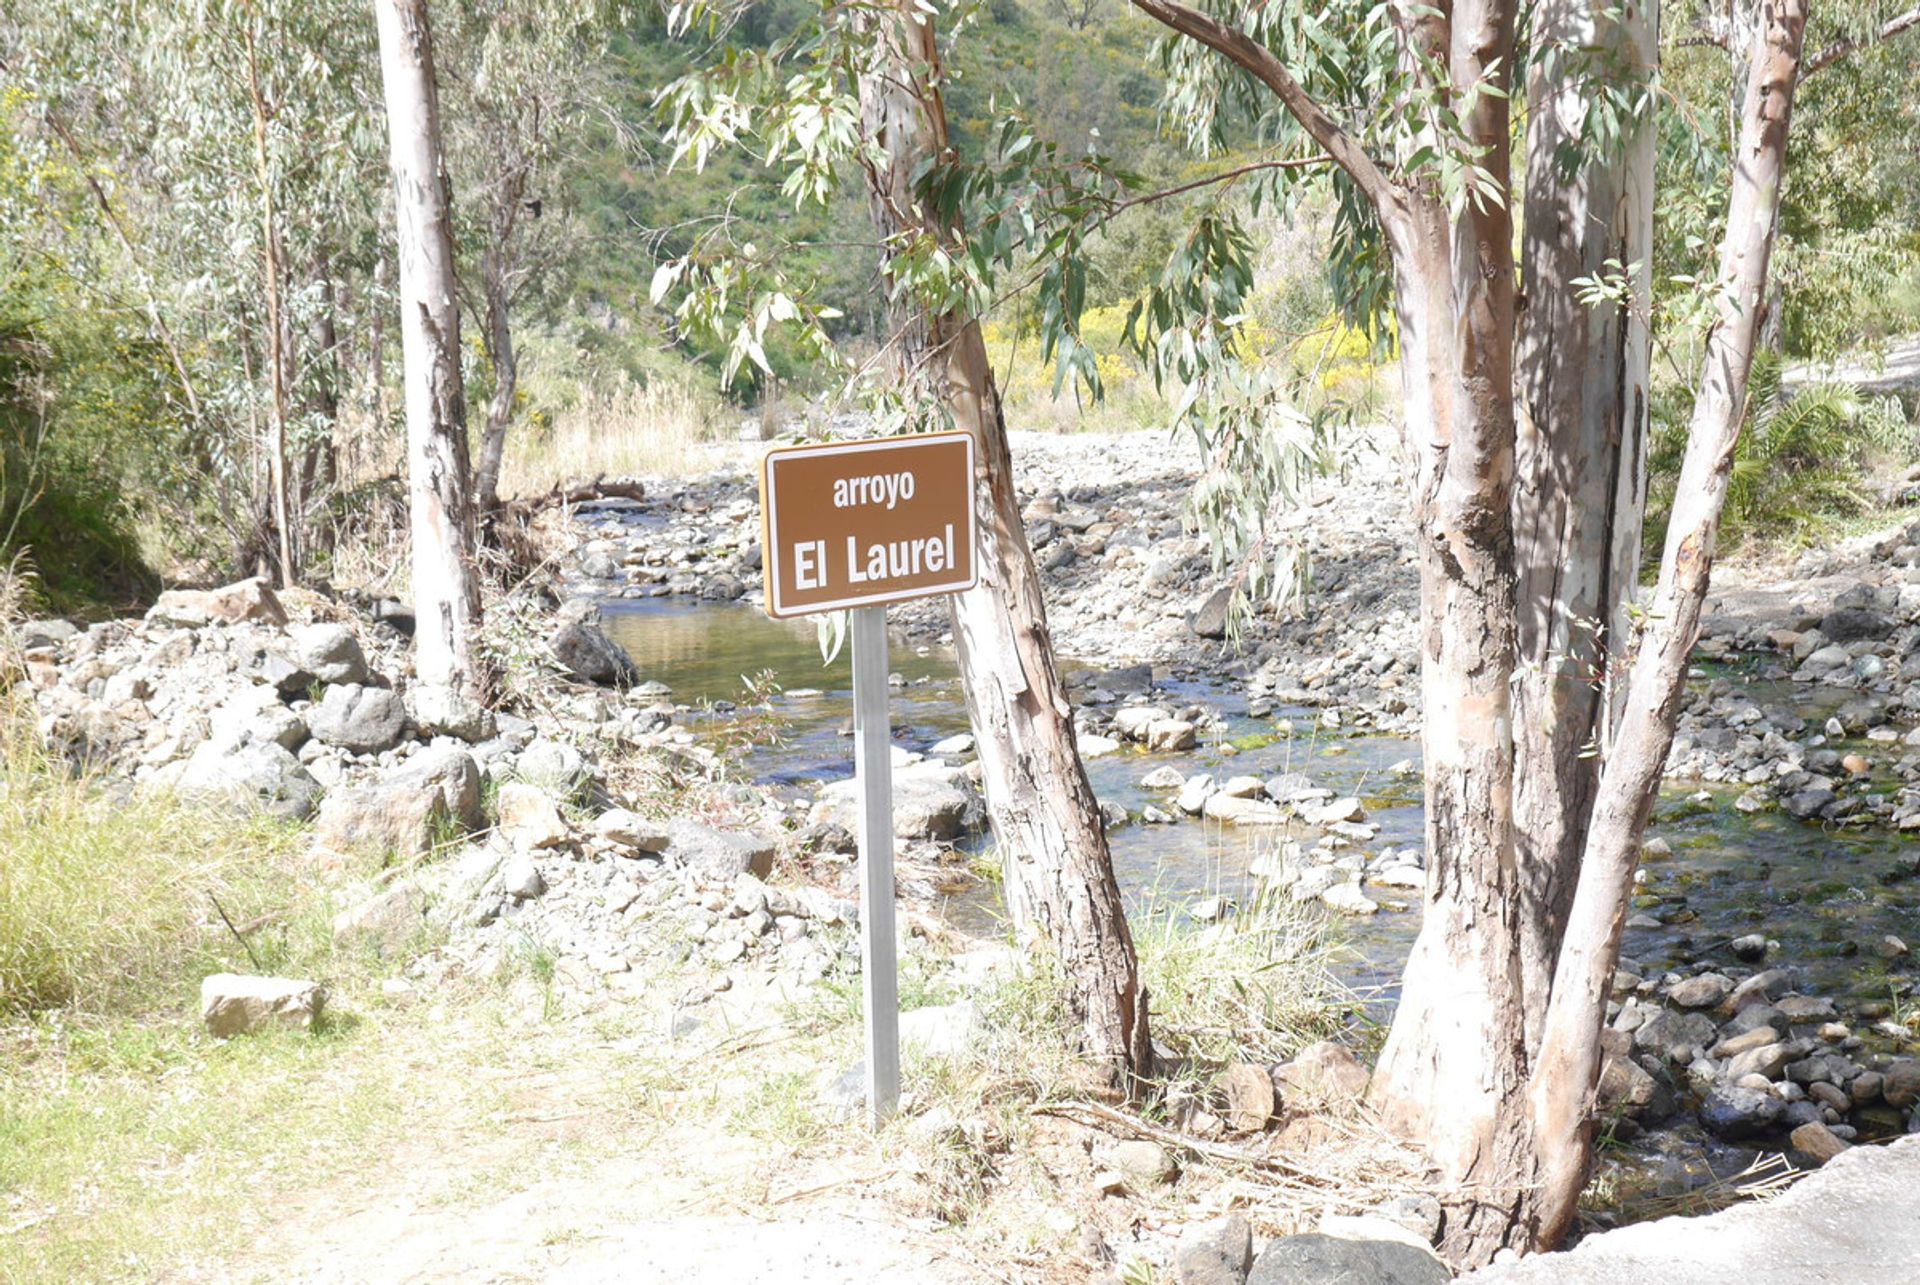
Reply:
x=1805, y=805
x=1322, y=1070
x=1163, y=778
x=529, y=817
x=554, y=764
x=40, y=635
x=441, y=711
x=1735, y=1114
x=1216, y=1252
x=1667, y=1033
x=1703, y=991
x=722, y=853
x=1316, y=1259
x=1852, y=1220
x=924, y=806
x=585, y=651
x=231, y=604
x=1900, y=1082
x=521, y=879
x=265, y=777
x=1854, y=624
x=329, y=652
x=360, y=720
x=237, y=1004
x=1209, y=619
x=628, y=830
x=1143, y=1162
x=406, y=809
x=1249, y=1093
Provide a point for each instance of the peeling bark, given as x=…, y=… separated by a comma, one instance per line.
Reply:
x=1046, y=820
x=446, y=590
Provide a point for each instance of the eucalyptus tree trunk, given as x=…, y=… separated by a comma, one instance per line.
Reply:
x=1527, y=526
x=273, y=273
x=1046, y=820
x=1569, y=1062
x=1581, y=467
x=446, y=591
x=506, y=371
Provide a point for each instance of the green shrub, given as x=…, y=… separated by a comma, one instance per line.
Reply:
x=107, y=897
x=1802, y=462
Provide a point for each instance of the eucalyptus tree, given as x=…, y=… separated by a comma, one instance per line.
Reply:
x=446, y=586
x=223, y=143
x=525, y=79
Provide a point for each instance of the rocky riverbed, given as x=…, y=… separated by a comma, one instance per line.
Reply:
x=622, y=818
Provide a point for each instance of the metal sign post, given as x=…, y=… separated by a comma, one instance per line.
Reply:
x=853, y=526
x=873, y=768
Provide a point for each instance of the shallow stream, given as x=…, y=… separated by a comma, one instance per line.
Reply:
x=1828, y=897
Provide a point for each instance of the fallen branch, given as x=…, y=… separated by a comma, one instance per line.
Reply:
x=1185, y=1141
x=601, y=488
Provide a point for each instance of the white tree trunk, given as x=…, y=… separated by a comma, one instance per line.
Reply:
x=1569, y=1063
x=445, y=589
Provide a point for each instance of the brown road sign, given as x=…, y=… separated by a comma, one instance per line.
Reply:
x=856, y=524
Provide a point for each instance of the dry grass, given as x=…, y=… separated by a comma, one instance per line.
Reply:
x=659, y=429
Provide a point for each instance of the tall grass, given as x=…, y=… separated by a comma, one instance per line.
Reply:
x=657, y=429
x=108, y=896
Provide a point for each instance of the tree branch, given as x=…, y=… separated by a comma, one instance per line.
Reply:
x=1259, y=62
x=1840, y=50
x=1225, y=176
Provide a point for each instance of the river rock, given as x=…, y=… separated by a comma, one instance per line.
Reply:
x=1815, y=1144
x=1209, y=619
x=722, y=853
x=1169, y=735
x=329, y=652
x=1347, y=898
x=1216, y=1252
x=1235, y=810
x=1319, y=1259
x=626, y=829
x=1667, y=1033
x=925, y=806
x=1143, y=1162
x=1193, y=795
x=529, y=817
x=360, y=720
x=262, y=776
x=231, y=604
x=402, y=811
x=584, y=650
x=442, y=711
x=1309, y=883
x=1704, y=991
x=1249, y=1094
x=1900, y=1083
x=1767, y=1060
x=1855, y=624
x=1322, y=1070
x=1735, y=1114
x=1805, y=805
x=237, y=1004
x=521, y=879
x=1163, y=778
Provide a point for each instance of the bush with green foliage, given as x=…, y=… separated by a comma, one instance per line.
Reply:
x=1803, y=458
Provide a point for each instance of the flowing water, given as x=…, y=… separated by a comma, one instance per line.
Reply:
x=1827, y=896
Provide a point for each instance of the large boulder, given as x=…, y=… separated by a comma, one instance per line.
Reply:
x=329, y=652
x=722, y=853
x=360, y=720
x=236, y=1004
x=928, y=804
x=584, y=650
x=1317, y=1259
x=263, y=776
x=228, y=605
x=442, y=711
x=406, y=809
